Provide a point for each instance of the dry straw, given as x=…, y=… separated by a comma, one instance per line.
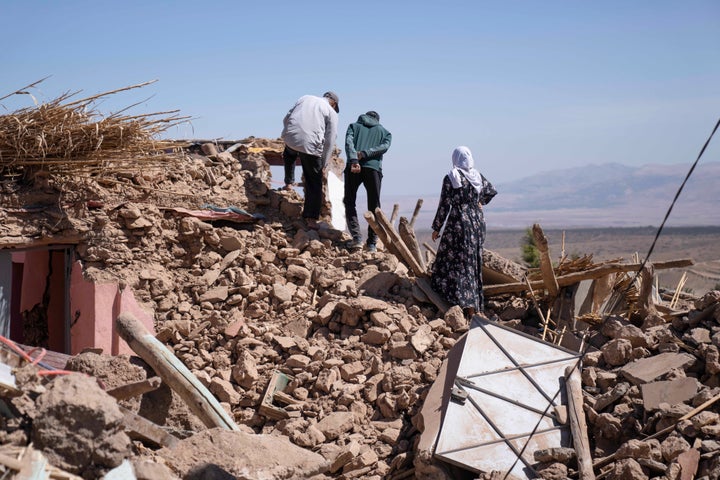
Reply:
x=67, y=137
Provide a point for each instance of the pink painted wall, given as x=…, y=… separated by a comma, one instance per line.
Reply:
x=34, y=279
x=94, y=308
x=35, y=270
x=56, y=305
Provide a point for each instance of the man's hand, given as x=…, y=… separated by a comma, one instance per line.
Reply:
x=355, y=168
x=360, y=155
x=435, y=235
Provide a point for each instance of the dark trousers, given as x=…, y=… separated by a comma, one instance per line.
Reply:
x=290, y=156
x=313, y=173
x=372, y=180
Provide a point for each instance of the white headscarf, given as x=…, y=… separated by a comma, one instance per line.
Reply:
x=463, y=162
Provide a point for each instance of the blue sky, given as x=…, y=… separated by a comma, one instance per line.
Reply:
x=528, y=86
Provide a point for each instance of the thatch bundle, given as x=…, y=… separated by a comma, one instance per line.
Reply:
x=71, y=137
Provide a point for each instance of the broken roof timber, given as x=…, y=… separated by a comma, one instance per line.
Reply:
x=576, y=277
x=27, y=243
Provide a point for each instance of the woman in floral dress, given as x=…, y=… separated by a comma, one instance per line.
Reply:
x=457, y=270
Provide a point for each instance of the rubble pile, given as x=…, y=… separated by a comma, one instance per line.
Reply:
x=237, y=303
x=352, y=340
x=657, y=380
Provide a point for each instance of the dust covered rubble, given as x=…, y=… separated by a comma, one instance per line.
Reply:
x=639, y=386
x=238, y=303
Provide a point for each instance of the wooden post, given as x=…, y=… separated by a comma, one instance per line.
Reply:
x=545, y=263
x=393, y=217
x=645, y=302
x=418, y=205
x=437, y=300
x=430, y=253
x=407, y=233
x=578, y=427
x=136, y=388
x=545, y=320
x=381, y=233
x=146, y=429
x=399, y=244
x=430, y=248
x=173, y=372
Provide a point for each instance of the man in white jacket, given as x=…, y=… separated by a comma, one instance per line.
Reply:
x=309, y=131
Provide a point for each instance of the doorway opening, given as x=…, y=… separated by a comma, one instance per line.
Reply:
x=35, y=296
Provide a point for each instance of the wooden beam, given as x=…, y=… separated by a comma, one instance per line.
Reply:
x=435, y=298
x=646, y=306
x=26, y=243
x=136, y=388
x=430, y=248
x=173, y=372
x=278, y=382
x=687, y=416
x=400, y=246
x=430, y=253
x=381, y=233
x=394, y=215
x=546, y=267
x=407, y=233
x=147, y=430
x=576, y=277
x=418, y=205
x=578, y=427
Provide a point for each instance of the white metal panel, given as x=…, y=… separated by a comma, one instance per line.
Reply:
x=495, y=457
x=510, y=380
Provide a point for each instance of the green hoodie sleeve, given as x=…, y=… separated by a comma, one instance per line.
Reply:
x=350, y=145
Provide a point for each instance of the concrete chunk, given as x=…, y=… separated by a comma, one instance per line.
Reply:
x=646, y=370
x=671, y=392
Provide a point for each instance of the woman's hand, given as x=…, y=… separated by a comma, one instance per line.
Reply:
x=435, y=235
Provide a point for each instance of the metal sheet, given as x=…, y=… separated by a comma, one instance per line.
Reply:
x=512, y=382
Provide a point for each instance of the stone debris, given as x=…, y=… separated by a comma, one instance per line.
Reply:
x=357, y=342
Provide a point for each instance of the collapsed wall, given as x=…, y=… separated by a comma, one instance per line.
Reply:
x=236, y=302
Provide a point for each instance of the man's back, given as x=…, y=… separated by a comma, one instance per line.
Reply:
x=369, y=136
x=305, y=126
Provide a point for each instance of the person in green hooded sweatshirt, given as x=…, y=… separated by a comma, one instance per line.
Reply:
x=366, y=141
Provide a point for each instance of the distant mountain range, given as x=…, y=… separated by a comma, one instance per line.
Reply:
x=611, y=195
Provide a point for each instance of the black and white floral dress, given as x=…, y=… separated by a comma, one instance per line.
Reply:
x=457, y=269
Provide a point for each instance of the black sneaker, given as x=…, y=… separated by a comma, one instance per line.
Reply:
x=353, y=245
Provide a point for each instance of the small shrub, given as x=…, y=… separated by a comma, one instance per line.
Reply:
x=529, y=250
